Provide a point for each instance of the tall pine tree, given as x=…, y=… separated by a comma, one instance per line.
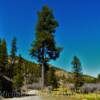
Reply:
x=4, y=62
x=52, y=78
x=0, y=55
x=18, y=77
x=77, y=72
x=4, y=56
x=13, y=50
x=13, y=57
x=44, y=47
x=0, y=65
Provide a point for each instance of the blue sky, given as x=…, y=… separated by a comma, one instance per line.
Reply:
x=78, y=32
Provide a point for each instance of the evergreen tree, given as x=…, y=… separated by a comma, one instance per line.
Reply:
x=0, y=65
x=5, y=84
x=52, y=78
x=44, y=47
x=4, y=55
x=11, y=69
x=18, y=77
x=0, y=55
x=77, y=71
x=98, y=78
x=13, y=50
x=9, y=72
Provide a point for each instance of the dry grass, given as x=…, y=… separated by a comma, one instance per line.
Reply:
x=75, y=97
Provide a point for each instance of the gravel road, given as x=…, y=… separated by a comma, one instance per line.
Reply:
x=27, y=98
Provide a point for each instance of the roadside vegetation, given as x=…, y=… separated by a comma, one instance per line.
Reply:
x=75, y=97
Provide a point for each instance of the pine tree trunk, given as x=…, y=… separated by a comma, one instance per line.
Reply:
x=42, y=77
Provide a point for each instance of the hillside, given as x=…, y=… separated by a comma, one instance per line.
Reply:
x=60, y=73
x=69, y=76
